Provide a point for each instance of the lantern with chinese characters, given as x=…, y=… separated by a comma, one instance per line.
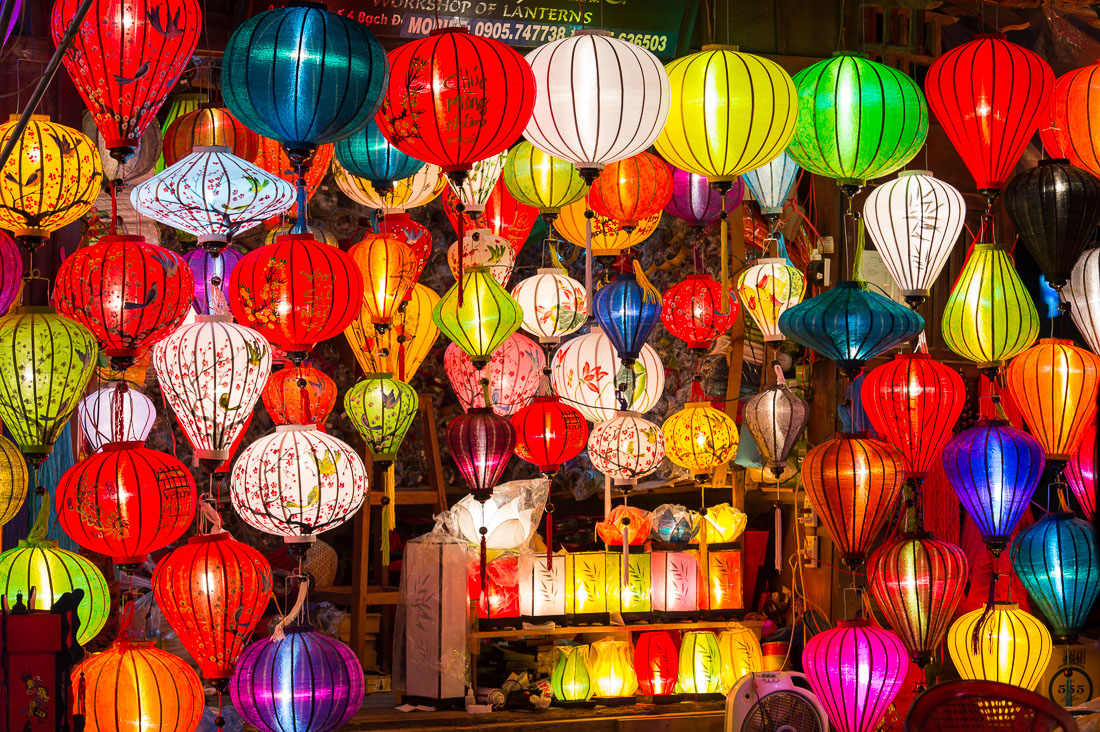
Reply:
x=419, y=189
x=553, y=303
x=1003, y=644
x=692, y=311
x=482, y=248
x=914, y=221
x=626, y=447
x=613, y=670
x=299, y=395
x=1083, y=296
x=593, y=583
x=608, y=238
x=537, y=179
x=115, y=413
x=853, y=482
x=208, y=126
x=571, y=680
x=656, y=663
x=770, y=185
x=212, y=373
x=628, y=309
x=775, y=418
x=584, y=372
x=13, y=479
x=549, y=433
x=126, y=501
x=700, y=438
x=210, y=273
x=994, y=468
x=473, y=192
x=675, y=574
x=477, y=314
x=125, y=58
x=388, y=268
x=541, y=588
x=768, y=288
x=213, y=591
x=1080, y=472
x=503, y=215
x=856, y=670
x=481, y=443
x=741, y=654
x=405, y=345
x=632, y=189
x=700, y=663
x=368, y=154
x=696, y=202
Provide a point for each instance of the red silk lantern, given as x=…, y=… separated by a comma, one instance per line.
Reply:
x=632, y=189
x=990, y=96
x=296, y=292
x=126, y=501
x=549, y=433
x=454, y=98
x=389, y=270
x=913, y=403
x=209, y=126
x=503, y=215
x=656, y=662
x=853, y=482
x=1081, y=472
x=213, y=590
x=299, y=395
x=480, y=443
x=692, y=311
x=129, y=293
x=125, y=59
x=398, y=225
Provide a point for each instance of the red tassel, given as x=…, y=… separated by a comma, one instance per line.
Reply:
x=549, y=536
x=484, y=562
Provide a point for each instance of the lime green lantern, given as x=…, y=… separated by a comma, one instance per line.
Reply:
x=700, y=663
x=478, y=315
x=541, y=180
x=857, y=119
x=46, y=360
x=571, y=679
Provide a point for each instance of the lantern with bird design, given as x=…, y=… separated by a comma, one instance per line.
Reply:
x=503, y=215
x=418, y=189
x=588, y=373
x=388, y=269
x=626, y=447
x=632, y=189
x=513, y=372
x=553, y=303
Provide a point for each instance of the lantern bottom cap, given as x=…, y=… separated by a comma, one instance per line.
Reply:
x=204, y=454
x=307, y=539
x=30, y=232
x=607, y=252
x=915, y=293
x=774, y=338
x=626, y=481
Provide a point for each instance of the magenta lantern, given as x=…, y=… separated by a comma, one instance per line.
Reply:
x=694, y=201
x=1081, y=472
x=480, y=443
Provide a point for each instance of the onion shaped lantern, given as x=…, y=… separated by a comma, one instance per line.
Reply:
x=1013, y=647
x=477, y=314
x=994, y=468
x=626, y=447
x=628, y=309
x=368, y=154
x=585, y=373
x=775, y=418
x=503, y=215
x=482, y=248
x=549, y=433
x=770, y=185
x=481, y=443
x=609, y=238
x=553, y=303
x=700, y=668
x=696, y=202
x=405, y=345
x=700, y=438
x=1072, y=133
x=115, y=413
x=418, y=189
x=474, y=190
x=299, y=395
x=1080, y=472
x=692, y=311
x=208, y=126
x=631, y=190
x=741, y=654
x=538, y=179
x=768, y=288
x=388, y=269
x=513, y=371
x=211, y=274
x=382, y=409
x=1083, y=295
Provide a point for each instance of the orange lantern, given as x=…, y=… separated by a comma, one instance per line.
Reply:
x=299, y=395
x=609, y=236
x=1054, y=383
x=389, y=269
x=631, y=190
x=208, y=126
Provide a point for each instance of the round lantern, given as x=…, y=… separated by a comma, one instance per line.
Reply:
x=609, y=238
x=873, y=117
x=13, y=480
x=480, y=443
x=296, y=292
x=695, y=201
x=770, y=185
x=628, y=309
x=769, y=288
x=141, y=163
x=451, y=70
x=1054, y=208
x=626, y=447
x=989, y=316
x=419, y=189
x=600, y=99
x=1072, y=107
x=126, y=501
x=404, y=346
x=914, y=221
x=918, y=582
x=856, y=670
x=1080, y=472
x=477, y=314
x=299, y=395
x=482, y=177
x=208, y=126
x=853, y=482
x=388, y=269
x=415, y=236
x=503, y=215
x=584, y=370
x=483, y=248
x=700, y=437
x=213, y=591
x=537, y=179
x=382, y=409
x=850, y=324
x=305, y=682
x=50, y=180
x=297, y=482
x=1013, y=647
x=1055, y=559
x=513, y=373
x=125, y=58
x=718, y=97
x=994, y=468
x=211, y=273
x=553, y=303
x=11, y=271
x=1083, y=295
x=692, y=311
x=115, y=413
x=273, y=158
x=1054, y=383
x=128, y=293
x=656, y=662
x=631, y=190
x=368, y=154
x=135, y=681
x=913, y=403
x=549, y=433
x=990, y=96
x=775, y=418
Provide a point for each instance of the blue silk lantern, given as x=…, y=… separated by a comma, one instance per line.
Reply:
x=994, y=468
x=368, y=154
x=770, y=185
x=628, y=309
x=850, y=325
x=1055, y=559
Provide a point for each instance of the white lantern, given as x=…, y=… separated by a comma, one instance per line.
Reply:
x=554, y=304
x=483, y=248
x=583, y=373
x=770, y=185
x=767, y=289
x=542, y=586
x=478, y=184
x=514, y=373
x=102, y=413
x=599, y=99
x=626, y=447
x=914, y=221
x=420, y=188
x=297, y=483
x=1083, y=295
x=213, y=195
x=212, y=374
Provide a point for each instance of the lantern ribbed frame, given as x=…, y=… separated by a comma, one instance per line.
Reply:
x=504, y=215
x=405, y=345
x=613, y=668
x=418, y=189
x=696, y=202
x=692, y=311
x=549, y=433
x=14, y=479
x=571, y=680
x=1080, y=472
x=486, y=317
x=700, y=437
x=368, y=154
x=626, y=447
x=479, y=182
x=741, y=654
x=775, y=418
x=145, y=158
x=700, y=663
x=1083, y=295
x=481, y=443
x=388, y=269
x=1013, y=646
x=514, y=372
x=609, y=238
x=1073, y=132
x=102, y=411
x=205, y=267
x=627, y=309
x=288, y=402
x=771, y=183
x=583, y=373
x=538, y=179
x=208, y=126
x=553, y=303
x=768, y=288
x=382, y=409
x=631, y=190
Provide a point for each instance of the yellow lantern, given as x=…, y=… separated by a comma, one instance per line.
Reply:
x=700, y=664
x=571, y=680
x=700, y=438
x=609, y=237
x=722, y=524
x=388, y=267
x=13, y=480
x=405, y=345
x=51, y=179
x=1013, y=646
x=741, y=654
x=541, y=180
x=420, y=188
x=613, y=670
x=768, y=289
x=593, y=585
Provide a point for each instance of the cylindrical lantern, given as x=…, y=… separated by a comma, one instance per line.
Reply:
x=692, y=311
x=741, y=654
x=768, y=288
x=477, y=314
x=675, y=593
x=405, y=345
x=388, y=268
x=570, y=680
x=775, y=418
x=1083, y=295
x=593, y=584
x=695, y=201
x=628, y=309
x=700, y=437
x=115, y=413
x=608, y=238
x=632, y=189
x=1012, y=646
x=656, y=663
x=368, y=154
x=211, y=273
x=549, y=433
x=540, y=180
x=584, y=371
x=613, y=669
x=499, y=603
x=481, y=443
x=700, y=663
x=299, y=395
x=541, y=588
x=1080, y=472
x=770, y=184
x=553, y=303
x=208, y=126
x=626, y=447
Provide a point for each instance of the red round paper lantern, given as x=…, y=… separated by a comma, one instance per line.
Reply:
x=207, y=127
x=398, y=225
x=480, y=443
x=213, y=590
x=454, y=98
x=632, y=189
x=549, y=433
x=126, y=501
x=913, y=403
x=296, y=292
x=1081, y=472
x=692, y=311
x=299, y=395
x=990, y=96
x=503, y=215
x=128, y=293
x=1073, y=126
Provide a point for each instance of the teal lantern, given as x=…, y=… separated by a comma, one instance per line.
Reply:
x=857, y=119
x=368, y=154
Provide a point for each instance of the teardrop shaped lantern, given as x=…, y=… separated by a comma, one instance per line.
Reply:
x=1083, y=296
x=513, y=372
x=1081, y=471
x=850, y=324
x=632, y=189
x=505, y=216
x=1054, y=384
x=115, y=413
x=418, y=189
x=368, y=154
x=990, y=96
x=477, y=314
x=989, y=316
x=692, y=311
x=700, y=438
x=1013, y=646
x=549, y=432
x=299, y=395
x=994, y=468
x=208, y=126
x=914, y=221
x=537, y=179
x=1055, y=559
x=770, y=185
x=918, y=582
x=584, y=372
x=1072, y=118
x=404, y=346
x=913, y=403
x=481, y=443
x=696, y=202
x=388, y=268
x=628, y=309
x=481, y=179
x=775, y=418
x=553, y=303
x=853, y=482
x=768, y=288
x=211, y=273
x=382, y=408
x=1054, y=208
x=626, y=447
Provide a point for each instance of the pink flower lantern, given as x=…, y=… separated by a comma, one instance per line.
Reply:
x=513, y=373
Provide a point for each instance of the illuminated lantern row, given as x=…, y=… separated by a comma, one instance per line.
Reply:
x=553, y=304
x=692, y=311
x=700, y=437
x=626, y=447
x=479, y=319
x=405, y=345
x=513, y=372
x=539, y=180
x=208, y=126
x=481, y=443
x=368, y=154
x=769, y=288
x=115, y=413
x=584, y=369
x=299, y=395
x=696, y=202
x=1080, y=472
x=631, y=190
x=549, y=433
x=628, y=309
x=418, y=189
x=211, y=273
x=775, y=418
x=1013, y=646
x=503, y=215
x=770, y=185
x=388, y=269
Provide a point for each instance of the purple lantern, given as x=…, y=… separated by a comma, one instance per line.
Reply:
x=306, y=682
x=11, y=271
x=694, y=201
x=211, y=272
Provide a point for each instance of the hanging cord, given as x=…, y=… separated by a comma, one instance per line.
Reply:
x=976, y=636
x=303, y=587
x=389, y=510
x=725, y=253
x=461, y=208
x=300, y=223
x=589, y=214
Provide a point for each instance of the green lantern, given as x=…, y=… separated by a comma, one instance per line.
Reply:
x=478, y=315
x=571, y=679
x=46, y=360
x=700, y=663
x=857, y=119
x=541, y=180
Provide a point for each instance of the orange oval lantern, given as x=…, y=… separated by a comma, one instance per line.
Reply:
x=609, y=237
x=632, y=190
x=299, y=395
x=389, y=269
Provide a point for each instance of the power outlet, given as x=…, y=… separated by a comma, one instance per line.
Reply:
x=818, y=272
x=811, y=552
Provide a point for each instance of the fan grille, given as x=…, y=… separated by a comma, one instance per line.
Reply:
x=782, y=711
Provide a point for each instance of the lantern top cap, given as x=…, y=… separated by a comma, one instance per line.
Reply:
x=552, y=270
x=627, y=413
x=910, y=173
x=1055, y=161
x=34, y=117
x=213, y=318
x=721, y=47
x=857, y=435
x=700, y=404
x=208, y=538
x=281, y=238
x=990, y=36
x=771, y=260
x=109, y=238
x=37, y=544
x=544, y=398
x=591, y=32
x=853, y=54
x=295, y=428
x=1005, y=605
x=210, y=149
x=305, y=4
x=854, y=623
x=479, y=410
x=912, y=357
x=379, y=375
x=119, y=446
x=452, y=29
x=1055, y=342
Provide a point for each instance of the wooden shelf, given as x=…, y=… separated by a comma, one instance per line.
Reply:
x=420, y=496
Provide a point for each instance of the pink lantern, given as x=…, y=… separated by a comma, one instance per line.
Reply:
x=696, y=202
x=1081, y=472
x=513, y=372
x=856, y=671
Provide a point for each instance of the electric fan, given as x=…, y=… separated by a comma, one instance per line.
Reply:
x=774, y=702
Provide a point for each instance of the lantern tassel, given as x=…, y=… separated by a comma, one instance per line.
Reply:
x=607, y=498
x=555, y=260
x=389, y=512
x=626, y=557
x=588, y=214
x=549, y=536
x=401, y=353
x=209, y=519
x=41, y=526
x=277, y=634
x=484, y=563
x=649, y=292
x=725, y=249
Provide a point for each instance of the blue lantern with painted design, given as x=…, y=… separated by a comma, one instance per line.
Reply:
x=628, y=309
x=368, y=154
